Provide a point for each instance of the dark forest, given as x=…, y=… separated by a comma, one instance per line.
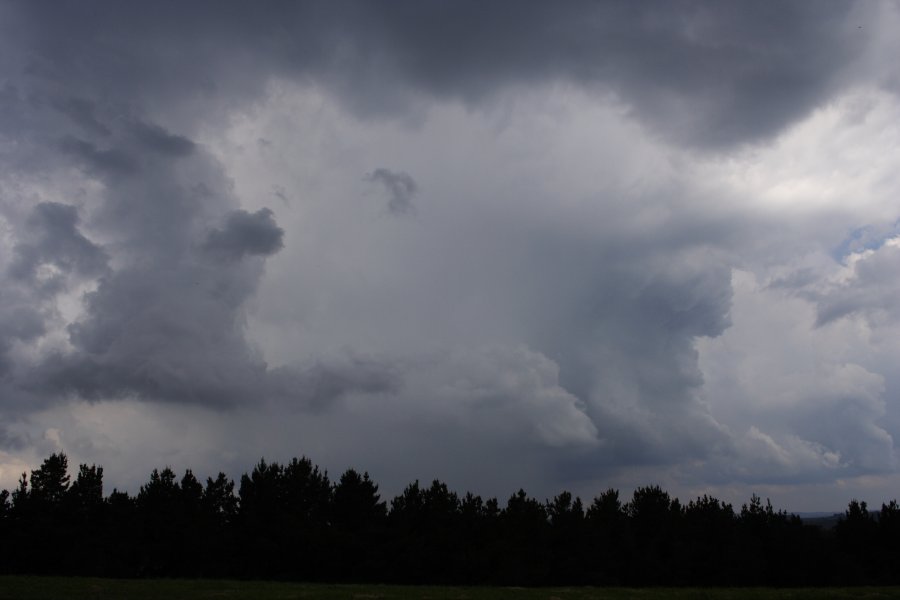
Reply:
x=290, y=521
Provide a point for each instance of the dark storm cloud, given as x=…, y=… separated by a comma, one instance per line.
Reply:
x=22, y=323
x=54, y=239
x=318, y=385
x=17, y=322
x=165, y=333
x=245, y=234
x=401, y=187
x=626, y=346
x=707, y=74
x=167, y=324
x=99, y=160
x=164, y=323
x=156, y=139
x=82, y=112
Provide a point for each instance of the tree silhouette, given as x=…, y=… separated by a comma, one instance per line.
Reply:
x=857, y=535
x=608, y=539
x=524, y=528
x=356, y=504
x=159, y=509
x=86, y=493
x=218, y=501
x=259, y=532
x=5, y=527
x=84, y=508
x=217, y=526
x=284, y=518
x=122, y=536
x=291, y=521
x=888, y=542
x=709, y=538
x=567, y=539
x=358, y=518
x=478, y=527
x=50, y=482
x=40, y=511
x=4, y=504
x=427, y=533
x=655, y=518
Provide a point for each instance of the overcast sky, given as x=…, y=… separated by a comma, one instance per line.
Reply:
x=551, y=245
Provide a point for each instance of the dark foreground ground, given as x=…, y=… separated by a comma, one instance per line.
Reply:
x=47, y=588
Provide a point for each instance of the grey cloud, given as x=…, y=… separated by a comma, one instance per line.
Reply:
x=871, y=290
x=164, y=323
x=10, y=103
x=833, y=424
x=156, y=139
x=18, y=322
x=401, y=187
x=709, y=75
x=705, y=74
x=245, y=234
x=798, y=405
x=621, y=322
x=22, y=323
x=52, y=237
x=317, y=386
x=508, y=392
x=157, y=334
x=113, y=161
x=82, y=112
x=795, y=280
x=13, y=440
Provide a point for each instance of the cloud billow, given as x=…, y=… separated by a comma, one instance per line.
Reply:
x=56, y=241
x=245, y=234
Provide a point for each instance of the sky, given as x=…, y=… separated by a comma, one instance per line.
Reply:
x=551, y=245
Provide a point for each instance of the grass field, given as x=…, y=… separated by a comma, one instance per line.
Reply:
x=52, y=588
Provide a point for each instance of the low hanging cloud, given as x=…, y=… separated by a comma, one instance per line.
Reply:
x=400, y=186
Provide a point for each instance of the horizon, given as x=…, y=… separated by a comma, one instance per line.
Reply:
x=387, y=496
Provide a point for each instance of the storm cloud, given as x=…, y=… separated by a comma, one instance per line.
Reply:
x=245, y=234
x=652, y=241
x=703, y=74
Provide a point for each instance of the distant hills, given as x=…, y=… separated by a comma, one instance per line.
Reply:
x=825, y=520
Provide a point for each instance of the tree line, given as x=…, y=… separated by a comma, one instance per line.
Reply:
x=290, y=521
